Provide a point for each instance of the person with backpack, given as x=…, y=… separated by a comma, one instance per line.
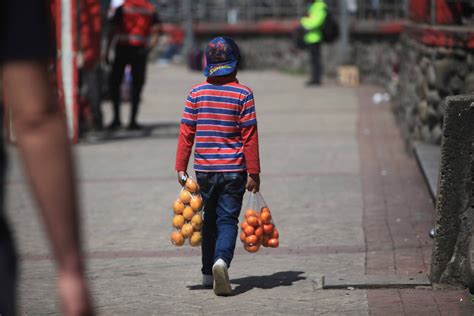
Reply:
x=312, y=23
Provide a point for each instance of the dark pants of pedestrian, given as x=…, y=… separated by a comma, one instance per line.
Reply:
x=91, y=89
x=136, y=57
x=315, y=59
x=8, y=260
x=222, y=193
x=8, y=269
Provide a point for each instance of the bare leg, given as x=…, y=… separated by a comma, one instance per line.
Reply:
x=41, y=130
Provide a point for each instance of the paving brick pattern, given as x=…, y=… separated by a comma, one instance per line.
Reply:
x=398, y=214
x=347, y=199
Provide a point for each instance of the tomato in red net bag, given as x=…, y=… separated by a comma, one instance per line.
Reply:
x=257, y=226
x=187, y=218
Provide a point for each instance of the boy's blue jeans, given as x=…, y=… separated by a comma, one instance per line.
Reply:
x=222, y=193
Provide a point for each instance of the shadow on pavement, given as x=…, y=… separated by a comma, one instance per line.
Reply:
x=159, y=130
x=266, y=282
x=198, y=287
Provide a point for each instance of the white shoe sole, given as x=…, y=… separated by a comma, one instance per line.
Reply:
x=221, y=281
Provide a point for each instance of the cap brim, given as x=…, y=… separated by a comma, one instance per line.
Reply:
x=222, y=69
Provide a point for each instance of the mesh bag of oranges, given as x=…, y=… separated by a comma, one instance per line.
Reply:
x=187, y=217
x=257, y=227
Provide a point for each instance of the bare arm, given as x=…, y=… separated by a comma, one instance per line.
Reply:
x=41, y=131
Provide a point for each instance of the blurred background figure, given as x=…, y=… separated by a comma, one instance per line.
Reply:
x=90, y=25
x=26, y=52
x=173, y=45
x=352, y=6
x=375, y=8
x=136, y=27
x=461, y=11
x=312, y=23
x=114, y=4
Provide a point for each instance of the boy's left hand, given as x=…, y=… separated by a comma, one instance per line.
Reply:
x=253, y=183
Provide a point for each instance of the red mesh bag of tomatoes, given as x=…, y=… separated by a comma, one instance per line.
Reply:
x=257, y=227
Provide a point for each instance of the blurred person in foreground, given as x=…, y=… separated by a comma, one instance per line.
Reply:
x=312, y=24
x=137, y=27
x=89, y=66
x=26, y=49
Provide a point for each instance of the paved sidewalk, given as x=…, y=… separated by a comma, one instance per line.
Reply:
x=346, y=197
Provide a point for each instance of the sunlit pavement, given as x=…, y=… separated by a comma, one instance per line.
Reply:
x=345, y=195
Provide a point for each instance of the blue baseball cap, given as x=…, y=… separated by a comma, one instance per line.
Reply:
x=222, y=56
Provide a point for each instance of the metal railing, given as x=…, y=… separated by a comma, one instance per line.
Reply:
x=236, y=11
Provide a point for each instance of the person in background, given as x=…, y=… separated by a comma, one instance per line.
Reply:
x=352, y=7
x=461, y=11
x=137, y=27
x=42, y=138
x=375, y=8
x=174, y=45
x=312, y=23
x=114, y=4
x=90, y=73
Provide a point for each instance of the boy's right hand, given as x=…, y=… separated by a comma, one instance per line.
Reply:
x=253, y=183
x=181, y=175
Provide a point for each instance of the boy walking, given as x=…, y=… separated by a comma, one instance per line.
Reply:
x=220, y=116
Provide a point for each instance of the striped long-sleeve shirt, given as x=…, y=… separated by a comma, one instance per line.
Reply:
x=220, y=116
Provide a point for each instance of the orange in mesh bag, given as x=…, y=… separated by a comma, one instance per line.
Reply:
x=187, y=217
x=257, y=227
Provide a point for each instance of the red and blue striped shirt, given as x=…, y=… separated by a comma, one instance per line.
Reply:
x=218, y=113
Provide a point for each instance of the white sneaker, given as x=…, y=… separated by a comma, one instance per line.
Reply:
x=207, y=280
x=221, y=278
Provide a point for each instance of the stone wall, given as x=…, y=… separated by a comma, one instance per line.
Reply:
x=418, y=78
x=374, y=55
x=377, y=60
x=278, y=52
x=427, y=76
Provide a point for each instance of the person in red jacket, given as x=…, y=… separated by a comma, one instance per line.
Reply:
x=220, y=116
x=136, y=26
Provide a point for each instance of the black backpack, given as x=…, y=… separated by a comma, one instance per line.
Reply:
x=330, y=28
x=297, y=37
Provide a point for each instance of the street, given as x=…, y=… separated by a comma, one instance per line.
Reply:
x=346, y=196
